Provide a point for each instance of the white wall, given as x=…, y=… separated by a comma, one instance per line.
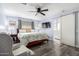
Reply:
x=2, y=20
x=2, y=15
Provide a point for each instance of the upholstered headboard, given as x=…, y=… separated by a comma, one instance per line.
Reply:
x=25, y=30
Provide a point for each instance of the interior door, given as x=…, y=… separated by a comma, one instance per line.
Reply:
x=77, y=30
x=68, y=29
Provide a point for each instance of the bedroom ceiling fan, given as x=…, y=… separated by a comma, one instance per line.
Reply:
x=40, y=11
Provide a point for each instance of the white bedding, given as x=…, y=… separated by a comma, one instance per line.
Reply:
x=25, y=38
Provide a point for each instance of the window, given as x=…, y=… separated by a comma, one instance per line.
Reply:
x=46, y=25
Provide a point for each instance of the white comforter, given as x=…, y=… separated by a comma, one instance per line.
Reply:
x=25, y=38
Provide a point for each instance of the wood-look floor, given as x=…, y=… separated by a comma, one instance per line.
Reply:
x=55, y=48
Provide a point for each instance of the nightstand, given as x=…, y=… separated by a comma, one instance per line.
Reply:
x=15, y=38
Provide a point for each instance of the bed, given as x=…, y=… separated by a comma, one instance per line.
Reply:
x=33, y=38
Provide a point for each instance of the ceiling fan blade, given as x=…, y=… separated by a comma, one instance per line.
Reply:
x=42, y=13
x=31, y=11
x=44, y=10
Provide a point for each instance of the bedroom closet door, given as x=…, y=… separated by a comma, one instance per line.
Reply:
x=77, y=30
x=68, y=29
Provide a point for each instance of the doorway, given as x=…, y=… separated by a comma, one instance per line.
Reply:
x=56, y=29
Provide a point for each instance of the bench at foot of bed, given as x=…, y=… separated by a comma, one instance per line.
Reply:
x=34, y=43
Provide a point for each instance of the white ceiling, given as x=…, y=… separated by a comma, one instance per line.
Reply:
x=20, y=10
